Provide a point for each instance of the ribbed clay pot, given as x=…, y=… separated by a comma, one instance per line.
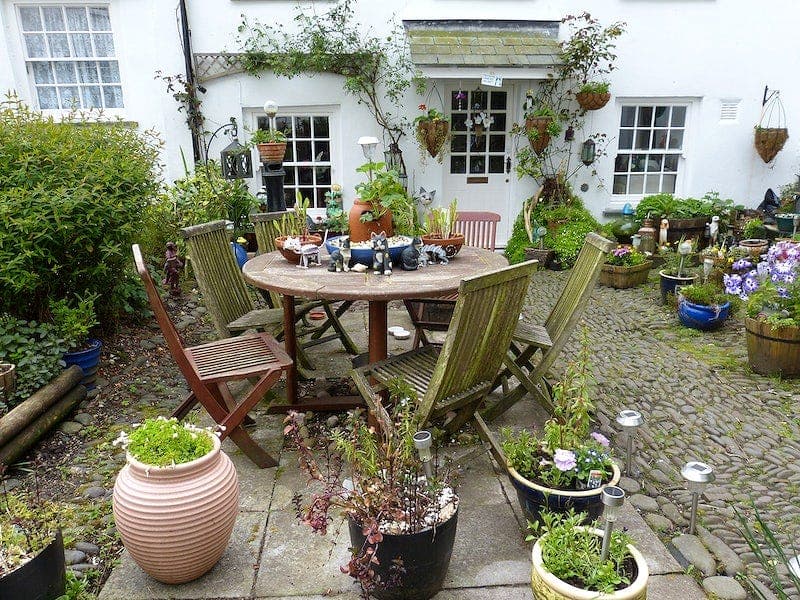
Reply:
x=360, y=231
x=176, y=521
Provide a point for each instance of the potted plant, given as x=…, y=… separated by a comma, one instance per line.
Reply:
x=541, y=124
x=176, y=500
x=769, y=141
x=295, y=224
x=565, y=465
x=401, y=515
x=432, y=130
x=382, y=204
x=771, y=291
x=625, y=267
x=439, y=227
x=676, y=271
x=271, y=144
x=74, y=324
x=754, y=229
x=703, y=306
x=32, y=555
x=567, y=562
x=593, y=95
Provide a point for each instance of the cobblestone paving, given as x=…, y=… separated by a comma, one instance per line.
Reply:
x=700, y=402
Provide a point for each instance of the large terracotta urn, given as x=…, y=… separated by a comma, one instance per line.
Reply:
x=176, y=521
x=360, y=231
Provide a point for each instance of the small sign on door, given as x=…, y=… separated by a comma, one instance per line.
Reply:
x=492, y=80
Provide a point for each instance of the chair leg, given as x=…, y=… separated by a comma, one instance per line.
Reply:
x=487, y=436
x=185, y=406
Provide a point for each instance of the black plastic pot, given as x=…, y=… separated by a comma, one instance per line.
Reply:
x=42, y=578
x=425, y=557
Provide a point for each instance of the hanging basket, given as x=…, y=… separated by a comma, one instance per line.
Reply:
x=271, y=152
x=432, y=135
x=592, y=100
x=541, y=139
x=770, y=141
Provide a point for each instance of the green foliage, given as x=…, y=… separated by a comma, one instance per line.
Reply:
x=267, y=136
x=27, y=526
x=76, y=589
x=625, y=256
x=572, y=552
x=73, y=324
x=594, y=87
x=440, y=220
x=385, y=192
x=72, y=202
x=163, y=442
x=660, y=206
x=707, y=294
x=589, y=51
x=35, y=348
x=516, y=244
x=754, y=228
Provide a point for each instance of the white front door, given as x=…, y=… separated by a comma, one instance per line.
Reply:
x=477, y=168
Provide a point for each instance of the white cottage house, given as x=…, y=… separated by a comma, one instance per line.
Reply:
x=692, y=72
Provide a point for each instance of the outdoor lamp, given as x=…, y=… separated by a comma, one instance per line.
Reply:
x=236, y=161
x=629, y=420
x=697, y=475
x=423, y=440
x=569, y=134
x=368, y=145
x=684, y=249
x=588, y=152
x=271, y=108
x=613, y=498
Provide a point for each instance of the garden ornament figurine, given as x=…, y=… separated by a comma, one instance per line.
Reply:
x=662, y=237
x=381, y=261
x=172, y=267
x=340, y=259
x=435, y=254
x=713, y=230
x=410, y=256
x=309, y=256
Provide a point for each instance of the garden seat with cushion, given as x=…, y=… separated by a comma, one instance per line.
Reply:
x=209, y=368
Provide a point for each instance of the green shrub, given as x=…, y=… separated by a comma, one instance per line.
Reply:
x=73, y=323
x=72, y=202
x=35, y=348
x=515, y=247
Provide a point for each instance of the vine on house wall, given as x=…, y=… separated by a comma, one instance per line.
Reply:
x=377, y=70
x=185, y=94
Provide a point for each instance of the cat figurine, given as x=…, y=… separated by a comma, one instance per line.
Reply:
x=381, y=261
x=409, y=257
x=425, y=197
x=340, y=259
x=291, y=243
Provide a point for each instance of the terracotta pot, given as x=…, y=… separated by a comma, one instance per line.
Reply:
x=451, y=245
x=772, y=350
x=271, y=152
x=538, y=124
x=769, y=141
x=592, y=100
x=360, y=232
x=622, y=277
x=546, y=585
x=292, y=256
x=433, y=135
x=176, y=521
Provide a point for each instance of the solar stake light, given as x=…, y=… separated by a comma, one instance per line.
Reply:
x=368, y=145
x=423, y=440
x=697, y=475
x=629, y=420
x=794, y=565
x=613, y=498
x=271, y=108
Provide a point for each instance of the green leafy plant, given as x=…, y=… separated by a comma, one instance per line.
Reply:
x=74, y=323
x=706, y=294
x=267, y=136
x=754, y=228
x=625, y=256
x=384, y=191
x=440, y=220
x=571, y=553
x=162, y=442
x=429, y=115
x=594, y=87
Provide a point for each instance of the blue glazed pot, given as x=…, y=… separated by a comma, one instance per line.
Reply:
x=670, y=282
x=699, y=316
x=87, y=360
x=239, y=253
x=533, y=498
x=364, y=255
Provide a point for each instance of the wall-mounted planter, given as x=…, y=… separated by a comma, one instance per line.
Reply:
x=769, y=141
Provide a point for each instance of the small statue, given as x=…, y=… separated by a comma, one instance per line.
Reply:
x=662, y=235
x=309, y=256
x=381, y=261
x=172, y=268
x=713, y=230
x=409, y=257
x=426, y=197
x=340, y=259
x=291, y=243
x=436, y=254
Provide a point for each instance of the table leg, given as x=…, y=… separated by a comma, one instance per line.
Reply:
x=377, y=330
x=290, y=343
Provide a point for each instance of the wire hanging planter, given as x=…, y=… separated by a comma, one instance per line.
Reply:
x=771, y=132
x=432, y=128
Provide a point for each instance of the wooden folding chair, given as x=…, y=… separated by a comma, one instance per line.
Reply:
x=453, y=379
x=551, y=337
x=434, y=314
x=209, y=368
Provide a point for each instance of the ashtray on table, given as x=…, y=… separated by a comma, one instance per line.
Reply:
x=361, y=252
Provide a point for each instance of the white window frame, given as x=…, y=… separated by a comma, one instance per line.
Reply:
x=27, y=62
x=617, y=201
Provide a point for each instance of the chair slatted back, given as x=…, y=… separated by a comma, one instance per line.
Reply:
x=479, y=228
x=266, y=228
x=572, y=302
x=486, y=313
x=220, y=280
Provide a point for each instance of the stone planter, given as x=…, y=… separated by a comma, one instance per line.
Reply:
x=755, y=246
x=547, y=586
x=620, y=277
x=771, y=350
x=176, y=521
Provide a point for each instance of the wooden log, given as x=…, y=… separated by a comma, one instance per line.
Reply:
x=20, y=416
x=11, y=451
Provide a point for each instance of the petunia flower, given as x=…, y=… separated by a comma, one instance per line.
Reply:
x=564, y=460
x=600, y=438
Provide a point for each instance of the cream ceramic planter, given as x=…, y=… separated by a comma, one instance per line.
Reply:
x=176, y=521
x=547, y=586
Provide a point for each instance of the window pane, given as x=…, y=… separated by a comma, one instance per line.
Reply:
x=87, y=72
x=302, y=127
x=642, y=139
x=458, y=143
x=281, y=124
x=621, y=163
x=303, y=152
x=322, y=151
x=458, y=164
x=626, y=139
x=645, y=116
x=263, y=122
x=678, y=116
x=320, y=199
x=498, y=101
x=321, y=127
x=47, y=97
x=76, y=19
x=53, y=19
x=69, y=97
x=496, y=164
x=620, y=183
x=305, y=175
x=668, y=184
x=660, y=138
x=34, y=44
x=289, y=156
x=651, y=184
x=638, y=162
x=499, y=122
x=477, y=164
x=288, y=196
x=81, y=44
x=323, y=176
x=671, y=162
x=30, y=18
x=628, y=116
x=42, y=72
x=103, y=44
x=479, y=100
x=635, y=184
x=92, y=97
x=654, y=162
x=477, y=143
x=65, y=72
x=59, y=46
x=306, y=192
x=289, y=180
x=458, y=122
x=497, y=143
x=113, y=96
x=676, y=140
x=98, y=16
x=662, y=116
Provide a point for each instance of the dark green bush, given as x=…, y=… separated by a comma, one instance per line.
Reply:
x=515, y=247
x=73, y=198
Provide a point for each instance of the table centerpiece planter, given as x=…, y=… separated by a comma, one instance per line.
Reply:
x=363, y=255
x=289, y=254
x=772, y=350
x=451, y=244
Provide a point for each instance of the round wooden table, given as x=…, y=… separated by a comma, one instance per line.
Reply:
x=273, y=272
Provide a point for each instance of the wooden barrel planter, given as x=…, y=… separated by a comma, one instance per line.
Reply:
x=769, y=141
x=690, y=229
x=772, y=350
x=621, y=277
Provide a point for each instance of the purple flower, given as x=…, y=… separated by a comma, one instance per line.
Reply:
x=750, y=284
x=621, y=252
x=564, y=460
x=741, y=264
x=600, y=438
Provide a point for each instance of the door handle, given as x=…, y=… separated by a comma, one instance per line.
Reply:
x=508, y=164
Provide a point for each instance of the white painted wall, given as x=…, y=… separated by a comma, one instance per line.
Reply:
x=704, y=50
